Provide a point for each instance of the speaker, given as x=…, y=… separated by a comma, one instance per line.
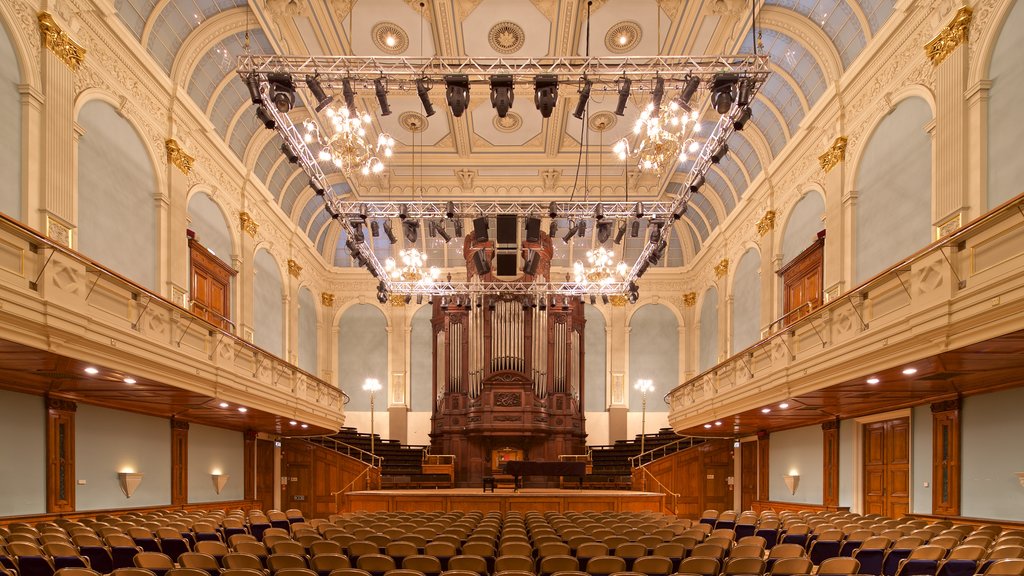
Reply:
x=506, y=229
x=480, y=228
x=533, y=229
x=531, y=262
x=507, y=264
x=482, y=263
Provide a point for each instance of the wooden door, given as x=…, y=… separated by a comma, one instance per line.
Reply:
x=802, y=280
x=298, y=493
x=210, y=289
x=748, y=475
x=887, y=468
x=266, y=481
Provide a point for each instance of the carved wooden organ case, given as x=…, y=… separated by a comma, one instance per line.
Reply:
x=508, y=370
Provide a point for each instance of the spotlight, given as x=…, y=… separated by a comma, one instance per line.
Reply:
x=679, y=211
x=439, y=226
x=531, y=262
x=583, y=228
x=282, y=91
x=408, y=298
x=599, y=211
x=253, y=82
x=431, y=230
x=743, y=92
x=620, y=233
x=357, y=230
x=634, y=229
x=642, y=268
x=553, y=228
x=624, y=86
x=545, y=94
x=322, y=99
x=411, y=229
x=419, y=299
x=532, y=229
x=581, y=105
x=721, y=92
x=382, y=97
x=382, y=297
x=690, y=85
x=292, y=157
x=449, y=209
x=553, y=209
x=389, y=231
x=502, y=94
x=593, y=299
x=458, y=227
x=268, y=121
x=423, y=86
x=720, y=152
x=375, y=229
x=604, y=299
x=317, y=188
x=480, y=228
x=697, y=183
x=638, y=210
x=604, y=230
x=742, y=118
x=349, y=94
x=543, y=303
x=573, y=229
x=457, y=93
x=403, y=211
x=659, y=94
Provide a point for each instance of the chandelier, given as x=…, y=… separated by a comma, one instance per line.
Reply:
x=663, y=137
x=602, y=270
x=345, y=145
x=413, y=268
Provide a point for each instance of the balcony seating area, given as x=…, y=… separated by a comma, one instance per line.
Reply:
x=172, y=543
x=611, y=466
x=401, y=465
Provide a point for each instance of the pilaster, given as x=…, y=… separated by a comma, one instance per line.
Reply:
x=950, y=143
x=58, y=210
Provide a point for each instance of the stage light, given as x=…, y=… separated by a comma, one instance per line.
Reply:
x=316, y=187
x=480, y=228
x=720, y=152
x=423, y=86
x=553, y=228
x=722, y=92
x=268, y=121
x=697, y=183
x=502, y=94
x=282, y=91
x=458, y=227
x=638, y=210
x=439, y=226
x=680, y=210
x=531, y=262
x=449, y=209
x=582, y=228
x=743, y=92
x=690, y=85
x=593, y=299
x=389, y=231
x=350, y=96
x=382, y=97
x=457, y=93
x=357, y=229
x=604, y=230
x=252, y=81
x=624, y=86
x=481, y=262
x=620, y=233
x=599, y=212
x=292, y=157
x=553, y=209
x=375, y=229
x=411, y=229
x=321, y=97
x=581, y=104
x=634, y=229
x=545, y=94
x=403, y=211
x=659, y=94
x=573, y=229
x=742, y=118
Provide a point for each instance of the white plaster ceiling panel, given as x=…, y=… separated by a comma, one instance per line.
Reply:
x=483, y=34
x=367, y=15
x=643, y=13
x=705, y=33
x=604, y=125
x=407, y=116
x=308, y=36
x=520, y=126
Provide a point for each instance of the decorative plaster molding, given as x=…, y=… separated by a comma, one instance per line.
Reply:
x=617, y=300
x=57, y=41
x=952, y=224
x=177, y=156
x=722, y=268
x=60, y=232
x=834, y=155
x=766, y=224
x=293, y=268
x=949, y=38
x=327, y=299
x=690, y=299
x=247, y=224
x=397, y=300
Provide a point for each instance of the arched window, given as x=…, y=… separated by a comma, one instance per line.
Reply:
x=268, y=305
x=1005, y=118
x=10, y=136
x=746, y=301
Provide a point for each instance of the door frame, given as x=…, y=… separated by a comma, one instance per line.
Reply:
x=857, y=506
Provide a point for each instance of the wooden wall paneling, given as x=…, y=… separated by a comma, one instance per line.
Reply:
x=699, y=475
x=802, y=280
x=887, y=468
x=748, y=474
x=210, y=288
x=179, y=462
x=946, y=458
x=315, y=474
x=267, y=483
x=830, y=463
x=249, y=465
x=763, y=454
x=60, y=455
x=717, y=467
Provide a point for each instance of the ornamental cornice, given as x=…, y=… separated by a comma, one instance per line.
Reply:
x=835, y=154
x=178, y=157
x=950, y=37
x=57, y=41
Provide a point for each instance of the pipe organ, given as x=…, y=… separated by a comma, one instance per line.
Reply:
x=507, y=372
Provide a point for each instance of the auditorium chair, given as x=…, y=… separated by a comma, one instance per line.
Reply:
x=963, y=560
x=277, y=562
x=375, y=564
x=76, y=572
x=827, y=544
x=132, y=571
x=143, y=538
x=200, y=561
x=899, y=552
x=423, y=563
x=288, y=547
x=769, y=530
x=839, y=566
x=709, y=517
x=457, y=573
x=699, y=565
x=507, y=563
x=791, y=566
x=31, y=560
x=653, y=566
x=741, y=566
x=65, y=555
x=923, y=560
x=443, y=550
x=469, y=562
x=156, y=562
x=186, y=572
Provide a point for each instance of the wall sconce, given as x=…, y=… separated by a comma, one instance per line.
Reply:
x=1020, y=477
x=219, y=481
x=792, y=481
x=129, y=482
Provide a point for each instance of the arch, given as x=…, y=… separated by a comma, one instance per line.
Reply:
x=707, y=343
x=308, y=345
x=363, y=353
x=896, y=163
x=268, y=303
x=811, y=33
x=801, y=225
x=653, y=352
x=1005, y=119
x=746, y=301
x=19, y=46
x=421, y=360
x=168, y=30
x=210, y=221
x=595, y=377
x=212, y=34
x=11, y=187
x=981, y=68
x=117, y=184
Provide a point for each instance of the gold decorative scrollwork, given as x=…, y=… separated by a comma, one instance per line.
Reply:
x=722, y=268
x=293, y=268
x=57, y=41
x=247, y=224
x=177, y=156
x=834, y=155
x=397, y=300
x=617, y=300
x=949, y=38
x=327, y=299
x=767, y=223
x=689, y=299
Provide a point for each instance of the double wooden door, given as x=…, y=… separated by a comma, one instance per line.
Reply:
x=887, y=468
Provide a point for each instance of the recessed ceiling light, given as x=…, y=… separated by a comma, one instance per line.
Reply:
x=243, y=409
x=718, y=423
x=784, y=405
x=873, y=380
x=129, y=380
x=223, y=404
x=91, y=370
x=765, y=410
x=390, y=41
x=623, y=40
x=293, y=422
x=305, y=425
x=707, y=425
x=909, y=371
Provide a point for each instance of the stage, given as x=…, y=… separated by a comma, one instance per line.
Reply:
x=502, y=500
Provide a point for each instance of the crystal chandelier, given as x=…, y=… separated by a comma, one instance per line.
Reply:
x=413, y=268
x=602, y=270
x=345, y=145
x=663, y=136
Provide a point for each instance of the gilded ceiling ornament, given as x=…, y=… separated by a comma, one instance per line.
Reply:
x=413, y=121
x=623, y=37
x=390, y=37
x=689, y=299
x=293, y=268
x=950, y=37
x=506, y=37
x=602, y=121
x=327, y=299
x=834, y=155
x=722, y=268
x=397, y=300
x=178, y=157
x=57, y=41
x=510, y=123
x=767, y=223
x=247, y=224
x=617, y=300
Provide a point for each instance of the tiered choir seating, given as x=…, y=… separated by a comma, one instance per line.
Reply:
x=611, y=467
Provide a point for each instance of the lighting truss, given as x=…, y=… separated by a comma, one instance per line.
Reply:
x=604, y=73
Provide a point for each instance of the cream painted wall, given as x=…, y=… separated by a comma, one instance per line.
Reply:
x=746, y=301
x=362, y=354
x=308, y=345
x=268, y=316
x=215, y=450
x=848, y=471
x=653, y=354
x=23, y=452
x=595, y=374
x=207, y=221
x=796, y=451
x=421, y=362
x=655, y=420
x=10, y=138
x=708, y=330
x=921, y=459
x=992, y=454
x=419, y=428
x=597, y=428
x=1005, y=118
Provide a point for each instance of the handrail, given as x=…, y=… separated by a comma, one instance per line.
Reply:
x=808, y=305
x=35, y=236
x=348, y=487
x=944, y=242
x=209, y=310
x=343, y=448
x=439, y=459
x=664, y=489
x=636, y=461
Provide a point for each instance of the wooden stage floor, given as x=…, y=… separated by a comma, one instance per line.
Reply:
x=501, y=500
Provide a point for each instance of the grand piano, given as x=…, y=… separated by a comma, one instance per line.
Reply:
x=519, y=468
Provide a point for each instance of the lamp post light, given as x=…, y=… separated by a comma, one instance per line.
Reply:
x=372, y=385
x=644, y=385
